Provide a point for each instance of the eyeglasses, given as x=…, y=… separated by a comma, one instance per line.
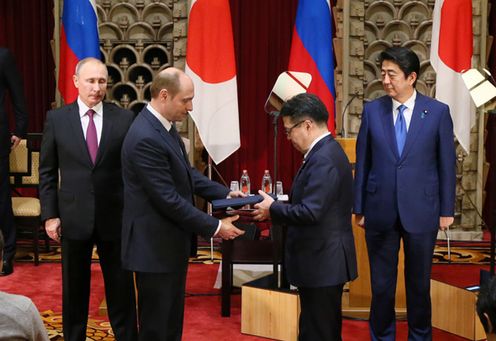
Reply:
x=290, y=129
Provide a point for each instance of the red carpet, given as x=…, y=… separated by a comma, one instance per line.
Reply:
x=202, y=314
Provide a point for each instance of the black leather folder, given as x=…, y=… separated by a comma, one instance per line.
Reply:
x=237, y=202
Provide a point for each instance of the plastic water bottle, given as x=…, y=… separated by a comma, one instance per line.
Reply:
x=245, y=182
x=267, y=182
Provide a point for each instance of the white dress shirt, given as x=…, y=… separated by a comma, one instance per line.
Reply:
x=408, y=112
x=97, y=118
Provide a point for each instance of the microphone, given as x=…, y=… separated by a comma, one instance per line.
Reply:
x=355, y=95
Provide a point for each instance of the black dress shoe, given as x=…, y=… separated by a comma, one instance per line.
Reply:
x=8, y=268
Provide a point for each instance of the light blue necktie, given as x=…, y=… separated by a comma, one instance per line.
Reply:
x=400, y=129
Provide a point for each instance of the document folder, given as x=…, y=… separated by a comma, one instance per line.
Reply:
x=238, y=202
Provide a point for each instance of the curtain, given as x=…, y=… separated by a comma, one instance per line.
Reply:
x=26, y=28
x=262, y=39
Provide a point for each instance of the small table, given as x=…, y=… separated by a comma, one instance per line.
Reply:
x=243, y=251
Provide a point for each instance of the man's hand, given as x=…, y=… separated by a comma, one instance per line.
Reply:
x=262, y=211
x=228, y=230
x=445, y=222
x=236, y=194
x=360, y=220
x=53, y=228
x=14, y=142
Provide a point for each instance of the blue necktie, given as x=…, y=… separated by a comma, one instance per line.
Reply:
x=400, y=129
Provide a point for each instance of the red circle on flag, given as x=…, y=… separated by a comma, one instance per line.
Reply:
x=210, y=51
x=455, y=34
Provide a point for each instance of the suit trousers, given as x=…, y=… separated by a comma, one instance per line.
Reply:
x=383, y=248
x=119, y=288
x=161, y=305
x=320, y=317
x=6, y=216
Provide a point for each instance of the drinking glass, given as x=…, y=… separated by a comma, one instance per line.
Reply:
x=279, y=190
x=234, y=186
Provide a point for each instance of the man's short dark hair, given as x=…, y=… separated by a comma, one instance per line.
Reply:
x=304, y=106
x=405, y=58
x=486, y=304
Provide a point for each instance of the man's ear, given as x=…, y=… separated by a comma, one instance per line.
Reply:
x=75, y=80
x=489, y=324
x=412, y=76
x=164, y=94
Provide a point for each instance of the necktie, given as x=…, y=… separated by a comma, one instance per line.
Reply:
x=400, y=129
x=91, y=138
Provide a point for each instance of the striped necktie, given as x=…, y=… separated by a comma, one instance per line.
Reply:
x=91, y=138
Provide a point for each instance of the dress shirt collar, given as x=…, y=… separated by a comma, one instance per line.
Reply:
x=166, y=123
x=83, y=108
x=409, y=103
x=314, y=143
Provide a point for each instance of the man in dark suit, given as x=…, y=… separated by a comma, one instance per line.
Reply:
x=320, y=251
x=404, y=189
x=81, y=195
x=160, y=219
x=9, y=80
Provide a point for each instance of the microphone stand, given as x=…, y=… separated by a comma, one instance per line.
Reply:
x=343, y=131
x=275, y=116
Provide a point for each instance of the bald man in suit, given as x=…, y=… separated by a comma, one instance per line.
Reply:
x=160, y=220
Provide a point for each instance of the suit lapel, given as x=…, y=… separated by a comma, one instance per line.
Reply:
x=416, y=124
x=388, y=125
x=314, y=150
x=75, y=122
x=169, y=140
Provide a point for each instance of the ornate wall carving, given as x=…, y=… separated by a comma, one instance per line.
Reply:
x=138, y=38
x=371, y=27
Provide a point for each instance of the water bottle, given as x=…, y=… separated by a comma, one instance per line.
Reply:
x=245, y=182
x=267, y=182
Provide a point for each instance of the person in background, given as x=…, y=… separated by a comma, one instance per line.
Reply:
x=19, y=318
x=486, y=308
x=11, y=81
x=404, y=189
x=81, y=195
x=161, y=223
x=320, y=251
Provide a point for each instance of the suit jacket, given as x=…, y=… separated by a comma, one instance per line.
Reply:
x=417, y=187
x=159, y=215
x=89, y=196
x=320, y=250
x=10, y=79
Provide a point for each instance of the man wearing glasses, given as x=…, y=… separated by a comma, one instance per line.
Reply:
x=320, y=251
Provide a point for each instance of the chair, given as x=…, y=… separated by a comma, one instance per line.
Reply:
x=24, y=163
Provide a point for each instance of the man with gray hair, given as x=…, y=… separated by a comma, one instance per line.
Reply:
x=81, y=200
x=19, y=318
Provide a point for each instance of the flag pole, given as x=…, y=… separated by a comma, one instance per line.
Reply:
x=209, y=207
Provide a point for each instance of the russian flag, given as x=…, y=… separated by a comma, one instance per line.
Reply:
x=311, y=51
x=78, y=40
x=451, y=54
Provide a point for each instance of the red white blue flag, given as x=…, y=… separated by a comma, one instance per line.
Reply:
x=78, y=40
x=311, y=51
